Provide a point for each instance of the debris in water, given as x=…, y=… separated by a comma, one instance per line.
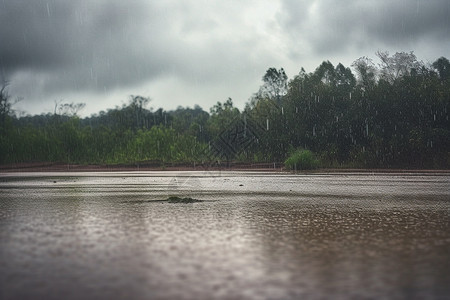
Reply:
x=175, y=199
x=171, y=199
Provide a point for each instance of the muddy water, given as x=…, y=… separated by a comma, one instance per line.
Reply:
x=256, y=236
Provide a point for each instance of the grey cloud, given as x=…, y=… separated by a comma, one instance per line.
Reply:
x=100, y=45
x=47, y=33
x=56, y=48
x=28, y=37
x=330, y=26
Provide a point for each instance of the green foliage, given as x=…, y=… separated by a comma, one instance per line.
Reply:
x=394, y=115
x=222, y=115
x=301, y=159
x=164, y=145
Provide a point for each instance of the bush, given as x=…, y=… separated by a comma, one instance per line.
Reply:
x=301, y=159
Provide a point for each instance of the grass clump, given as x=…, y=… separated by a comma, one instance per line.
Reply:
x=301, y=159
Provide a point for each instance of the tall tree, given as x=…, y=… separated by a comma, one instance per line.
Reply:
x=366, y=72
x=5, y=103
x=398, y=65
x=68, y=109
x=442, y=65
x=275, y=84
x=326, y=73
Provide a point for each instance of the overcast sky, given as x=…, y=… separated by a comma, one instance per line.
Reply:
x=191, y=52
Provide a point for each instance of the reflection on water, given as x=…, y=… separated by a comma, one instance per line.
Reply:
x=258, y=236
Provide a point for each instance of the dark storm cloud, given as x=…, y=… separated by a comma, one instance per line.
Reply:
x=329, y=26
x=97, y=44
x=28, y=38
x=101, y=45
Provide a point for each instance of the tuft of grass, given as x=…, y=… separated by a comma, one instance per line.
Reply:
x=301, y=159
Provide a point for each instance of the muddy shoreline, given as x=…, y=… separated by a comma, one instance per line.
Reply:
x=234, y=166
x=63, y=167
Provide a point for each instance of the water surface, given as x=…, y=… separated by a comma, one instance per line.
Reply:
x=256, y=236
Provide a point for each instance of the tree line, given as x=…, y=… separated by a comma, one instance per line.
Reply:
x=393, y=114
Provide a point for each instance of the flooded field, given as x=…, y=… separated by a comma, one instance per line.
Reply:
x=255, y=236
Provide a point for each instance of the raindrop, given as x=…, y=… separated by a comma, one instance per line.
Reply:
x=267, y=124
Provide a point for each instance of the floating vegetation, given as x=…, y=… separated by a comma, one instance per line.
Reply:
x=171, y=199
x=175, y=199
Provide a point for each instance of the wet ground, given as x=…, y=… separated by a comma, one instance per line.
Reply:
x=255, y=236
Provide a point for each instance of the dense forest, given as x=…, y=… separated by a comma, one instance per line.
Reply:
x=393, y=114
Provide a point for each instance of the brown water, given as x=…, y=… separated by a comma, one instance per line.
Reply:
x=256, y=236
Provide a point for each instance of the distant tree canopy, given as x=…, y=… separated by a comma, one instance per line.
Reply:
x=394, y=114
